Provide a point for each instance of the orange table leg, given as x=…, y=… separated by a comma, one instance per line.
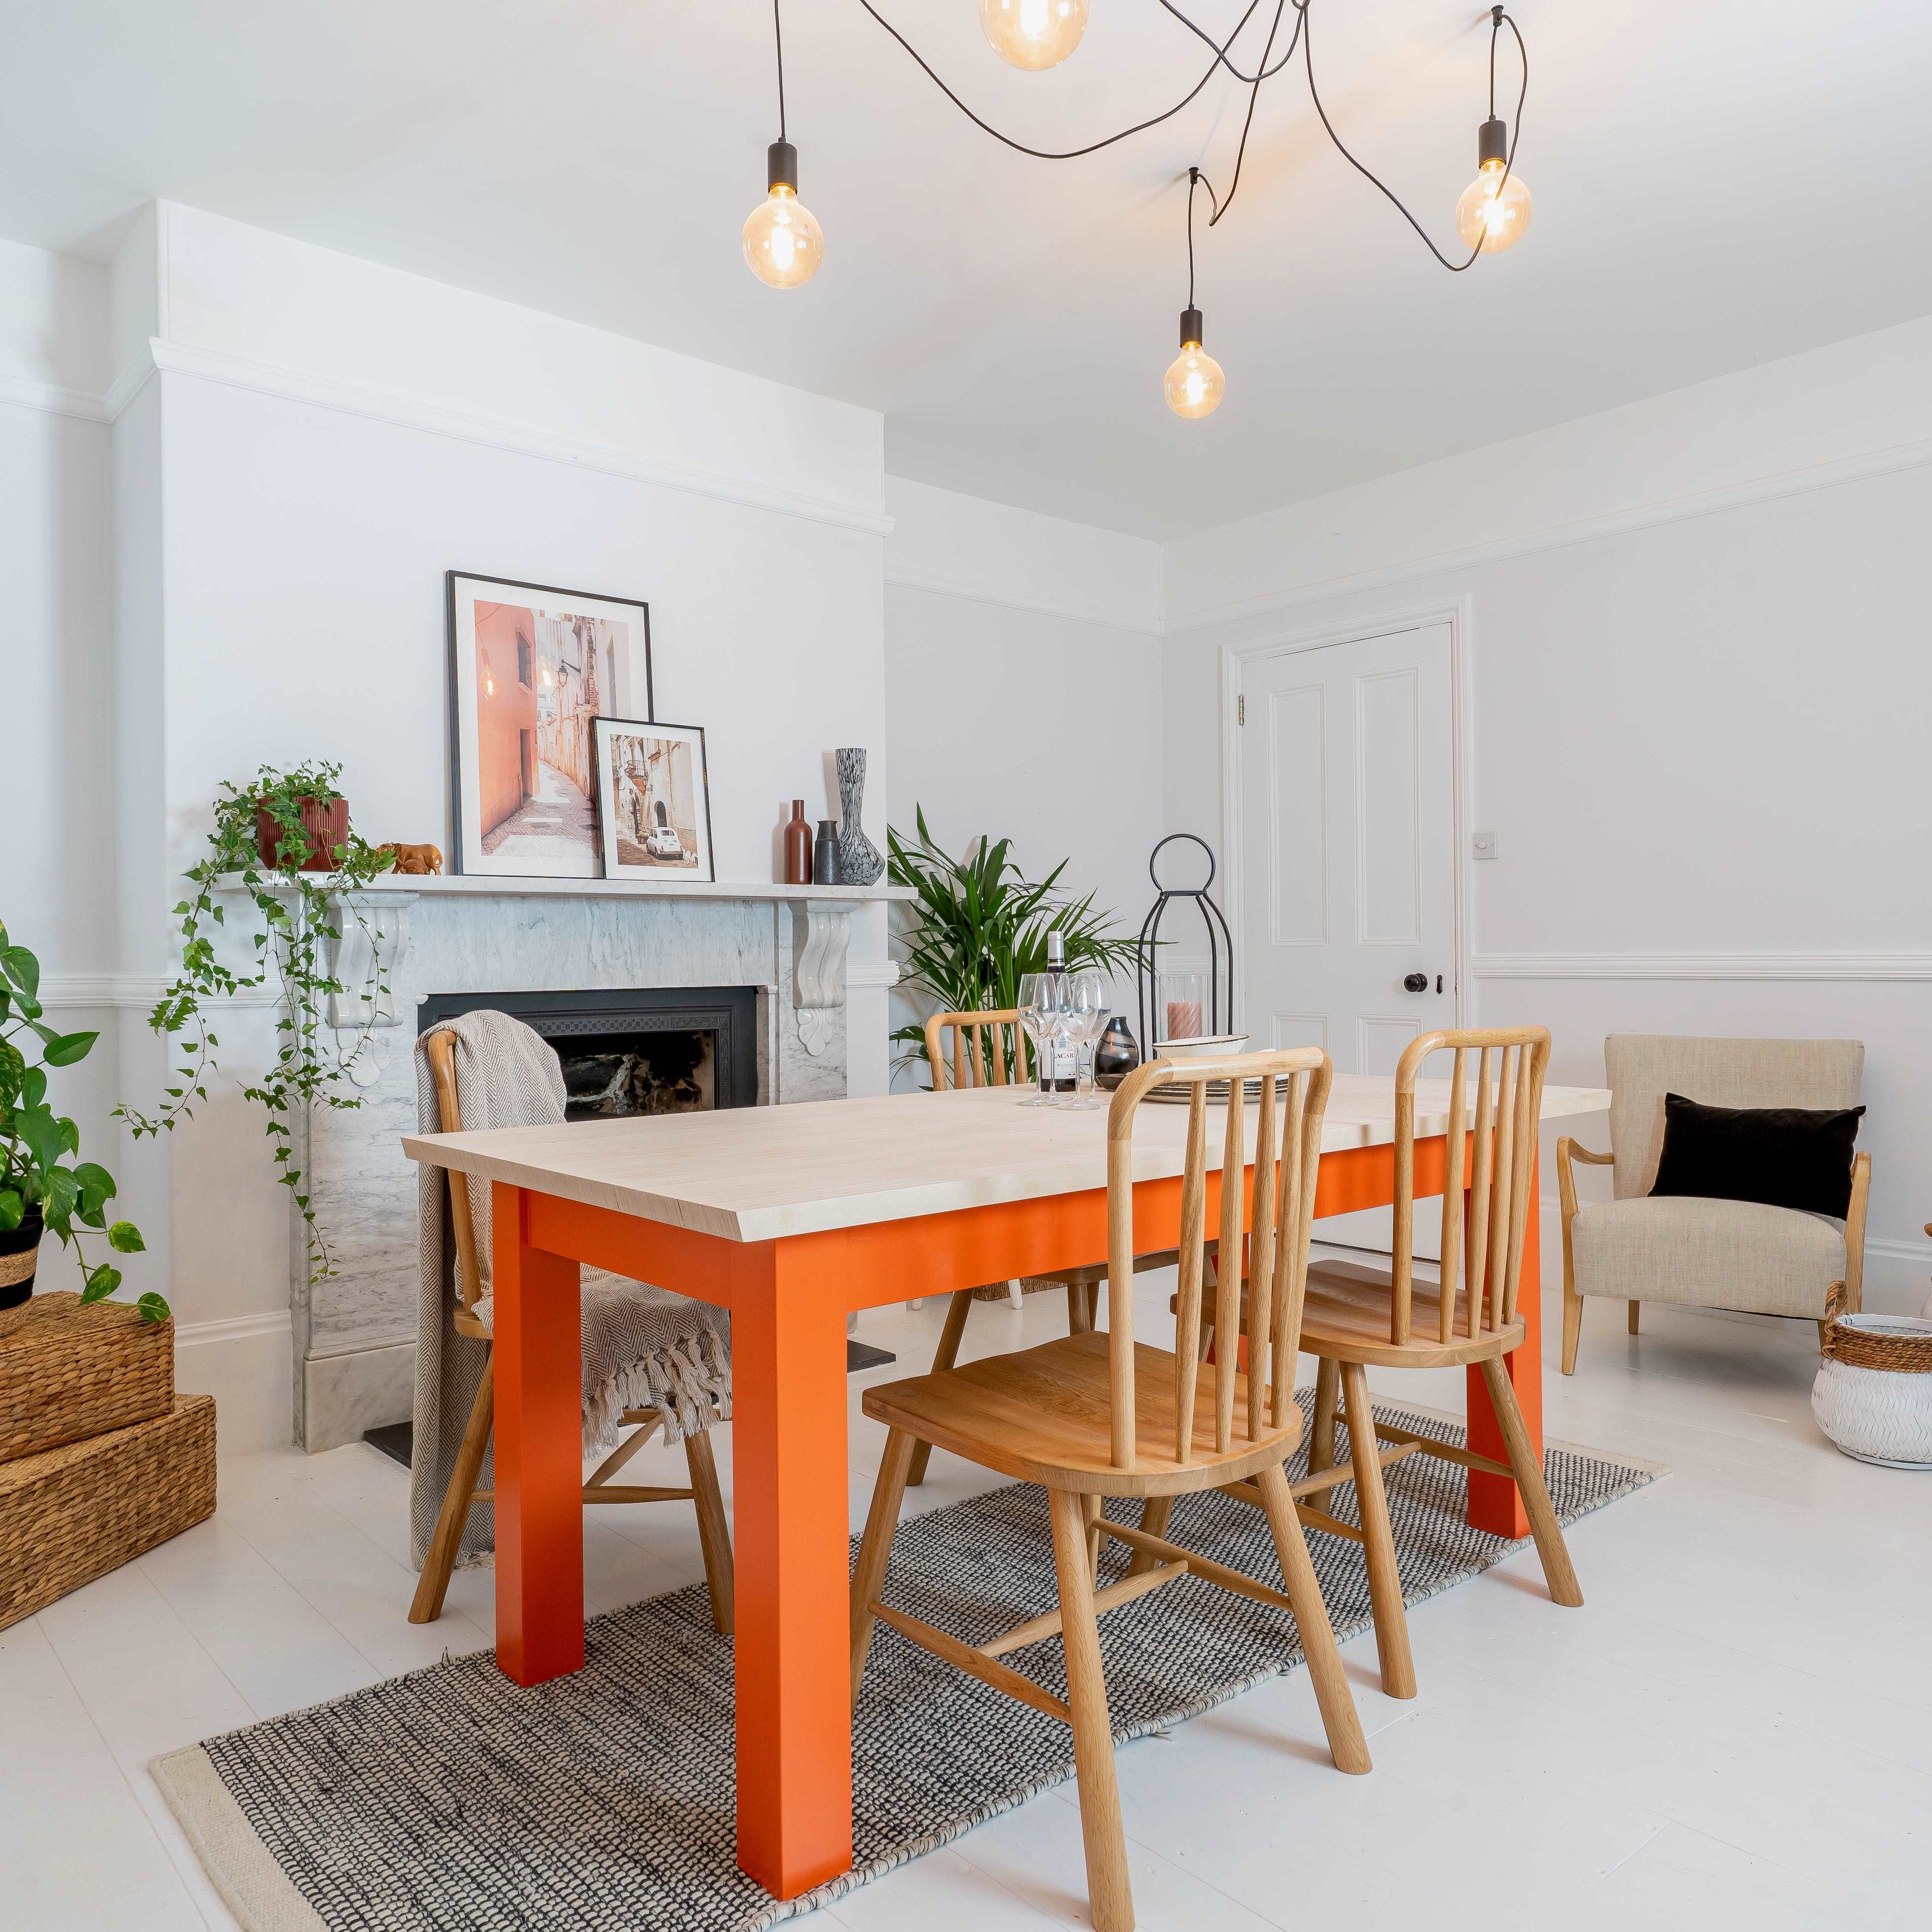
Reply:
x=539, y=1439
x=791, y=1525
x=1495, y=1502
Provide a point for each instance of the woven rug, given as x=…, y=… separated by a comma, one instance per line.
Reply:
x=602, y=1801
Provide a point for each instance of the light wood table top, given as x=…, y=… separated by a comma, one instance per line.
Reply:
x=760, y=1173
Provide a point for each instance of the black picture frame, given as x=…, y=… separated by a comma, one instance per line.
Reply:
x=463, y=758
x=704, y=871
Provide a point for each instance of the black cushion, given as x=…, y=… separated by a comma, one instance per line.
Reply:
x=1783, y=1156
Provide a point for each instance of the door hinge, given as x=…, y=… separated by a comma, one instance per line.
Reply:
x=1241, y=709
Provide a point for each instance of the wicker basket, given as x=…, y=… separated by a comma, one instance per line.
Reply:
x=71, y=1514
x=68, y=1372
x=1873, y=1394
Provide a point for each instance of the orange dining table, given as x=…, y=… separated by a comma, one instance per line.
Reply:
x=791, y=1217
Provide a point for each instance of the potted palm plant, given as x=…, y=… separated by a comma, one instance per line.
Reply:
x=978, y=925
x=40, y=1191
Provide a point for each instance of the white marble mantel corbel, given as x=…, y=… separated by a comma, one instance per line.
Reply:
x=825, y=938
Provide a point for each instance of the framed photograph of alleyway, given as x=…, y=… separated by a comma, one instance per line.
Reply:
x=653, y=801
x=530, y=666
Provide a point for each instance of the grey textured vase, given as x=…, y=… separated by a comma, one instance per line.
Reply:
x=860, y=862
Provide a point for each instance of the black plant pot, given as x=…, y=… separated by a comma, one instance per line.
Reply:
x=1116, y=1056
x=17, y=1253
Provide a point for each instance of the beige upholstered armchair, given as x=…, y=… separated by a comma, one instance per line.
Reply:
x=1715, y=1254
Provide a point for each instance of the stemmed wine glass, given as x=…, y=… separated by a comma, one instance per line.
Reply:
x=1088, y=1010
x=1042, y=1014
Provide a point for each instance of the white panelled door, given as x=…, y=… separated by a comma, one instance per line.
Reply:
x=1348, y=858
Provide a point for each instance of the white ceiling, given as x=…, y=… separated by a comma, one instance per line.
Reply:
x=1718, y=183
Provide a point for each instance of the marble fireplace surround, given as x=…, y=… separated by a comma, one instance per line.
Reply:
x=354, y=1333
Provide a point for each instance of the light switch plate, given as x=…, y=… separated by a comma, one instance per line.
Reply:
x=1482, y=845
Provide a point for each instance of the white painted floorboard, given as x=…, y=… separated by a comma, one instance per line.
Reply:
x=1737, y=1728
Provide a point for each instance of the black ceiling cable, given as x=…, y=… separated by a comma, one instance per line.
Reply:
x=778, y=40
x=1301, y=38
x=1064, y=154
x=1497, y=20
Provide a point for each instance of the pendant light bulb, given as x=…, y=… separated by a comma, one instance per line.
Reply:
x=1194, y=382
x=1034, y=34
x=1485, y=219
x=783, y=244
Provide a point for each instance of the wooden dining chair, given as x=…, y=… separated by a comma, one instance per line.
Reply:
x=1098, y=1414
x=988, y=1048
x=714, y=1535
x=1358, y=1318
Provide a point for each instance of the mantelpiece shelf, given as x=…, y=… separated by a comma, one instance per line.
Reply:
x=489, y=884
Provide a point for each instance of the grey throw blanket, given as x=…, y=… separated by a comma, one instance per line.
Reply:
x=643, y=1347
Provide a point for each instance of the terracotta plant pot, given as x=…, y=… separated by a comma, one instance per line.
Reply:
x=18, y=1253
x=327, y=826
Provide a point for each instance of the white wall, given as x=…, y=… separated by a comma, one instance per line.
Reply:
x=1698, y=676
x=57, y=695
x=1022, y=691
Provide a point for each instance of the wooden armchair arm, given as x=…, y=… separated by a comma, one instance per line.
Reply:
x=1567, y=1151
x=1855, y=1235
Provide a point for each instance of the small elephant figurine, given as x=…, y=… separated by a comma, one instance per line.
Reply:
x=413, y=860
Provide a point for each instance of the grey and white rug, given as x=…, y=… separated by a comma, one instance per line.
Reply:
x=603, y=1801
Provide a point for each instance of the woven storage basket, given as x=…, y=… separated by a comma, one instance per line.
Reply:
x=68, y=1372
x=71, y=1514
x=1873, y=1394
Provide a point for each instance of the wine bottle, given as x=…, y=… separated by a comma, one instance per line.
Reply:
x=1057, y=1065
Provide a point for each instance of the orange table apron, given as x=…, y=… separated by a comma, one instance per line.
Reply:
x=789, y=1299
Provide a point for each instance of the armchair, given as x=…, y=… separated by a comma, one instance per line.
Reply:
x=1714, y=1254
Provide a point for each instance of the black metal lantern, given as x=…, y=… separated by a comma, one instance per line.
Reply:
x=1212, y=1016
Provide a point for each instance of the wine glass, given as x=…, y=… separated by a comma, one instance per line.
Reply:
x=1040, y=1009
x=1088, y=1011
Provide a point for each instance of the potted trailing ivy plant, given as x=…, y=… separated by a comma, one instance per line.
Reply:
x=39, y=1191
x=979, y=925
x=284, y=840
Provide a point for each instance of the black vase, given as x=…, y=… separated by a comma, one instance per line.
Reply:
x=1116, y=1056
x=18, y=1249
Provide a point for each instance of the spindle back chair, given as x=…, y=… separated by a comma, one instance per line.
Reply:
x=462, y=1493
x=1101, y=1414
x=1357, y=1318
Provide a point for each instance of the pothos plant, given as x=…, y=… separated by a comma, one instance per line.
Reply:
x=299, y=911
x=36, y=1144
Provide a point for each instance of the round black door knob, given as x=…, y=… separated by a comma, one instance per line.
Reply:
x=1416, y=983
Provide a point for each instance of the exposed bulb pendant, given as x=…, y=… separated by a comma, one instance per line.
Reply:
x=783, y=244
x=1194, y=382
x=1484, y=218
x=1033, y=34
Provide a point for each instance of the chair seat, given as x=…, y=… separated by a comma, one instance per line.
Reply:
x=1042, y=1415
x=1346, y=1318
x=1717, y=1254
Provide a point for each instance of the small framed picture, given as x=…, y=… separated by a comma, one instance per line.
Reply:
x=529, y=667
x=653, y=800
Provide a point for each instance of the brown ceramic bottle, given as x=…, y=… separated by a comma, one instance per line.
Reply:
x=798, y=846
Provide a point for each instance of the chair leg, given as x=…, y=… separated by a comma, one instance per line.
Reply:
x=1558, y=1571
x=1078, y=1321
x=1155, y=1513
x=875, y=1547
x=1322, y=1435
x=1634, y=1306
x=433, y=1584
x=943, y=1356
x=1346, y=1744
x=1089, y=1508
x=1110, y=1902
x=714, y=1534
x=1398, y=1665
x=1572, y=1327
